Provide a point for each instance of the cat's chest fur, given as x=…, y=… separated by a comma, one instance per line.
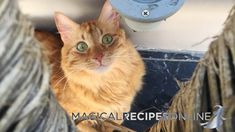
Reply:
x=100, y=95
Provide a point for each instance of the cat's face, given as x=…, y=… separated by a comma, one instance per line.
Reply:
x=92, y=46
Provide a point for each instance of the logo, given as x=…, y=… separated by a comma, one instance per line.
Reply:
x=216, y=120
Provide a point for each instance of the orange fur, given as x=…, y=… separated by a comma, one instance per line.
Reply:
x=78, y=81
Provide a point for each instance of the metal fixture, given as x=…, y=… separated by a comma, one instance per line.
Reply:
x=144, y=15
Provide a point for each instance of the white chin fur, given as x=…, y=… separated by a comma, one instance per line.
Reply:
x=101, y=69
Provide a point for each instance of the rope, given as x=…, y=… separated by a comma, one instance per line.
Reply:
x=26, y=101
x=213, y=83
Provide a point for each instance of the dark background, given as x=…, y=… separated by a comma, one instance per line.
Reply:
x=163, y=68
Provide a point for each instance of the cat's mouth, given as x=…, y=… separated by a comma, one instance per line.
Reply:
x=101, y=68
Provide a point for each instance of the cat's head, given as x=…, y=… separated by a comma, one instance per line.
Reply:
x=91, y=46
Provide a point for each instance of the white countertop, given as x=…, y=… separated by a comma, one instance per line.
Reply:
x=196, y=21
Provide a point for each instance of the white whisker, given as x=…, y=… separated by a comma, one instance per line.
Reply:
x=64, y=77
x=63, y=93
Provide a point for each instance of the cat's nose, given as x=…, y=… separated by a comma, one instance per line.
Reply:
x=99, y=57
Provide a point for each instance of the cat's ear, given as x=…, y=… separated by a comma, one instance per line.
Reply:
x=109, y=16
x=65, y=26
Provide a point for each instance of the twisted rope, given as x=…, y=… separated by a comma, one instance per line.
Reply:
x=213, y=83
x=26, y=102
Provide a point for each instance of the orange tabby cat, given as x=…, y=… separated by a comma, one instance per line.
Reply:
x=100, y=70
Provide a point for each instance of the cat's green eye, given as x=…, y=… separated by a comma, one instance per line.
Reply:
x=82, y=47
x=107, y=39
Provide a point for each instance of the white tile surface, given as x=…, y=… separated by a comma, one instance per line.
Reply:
x=197, y=20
